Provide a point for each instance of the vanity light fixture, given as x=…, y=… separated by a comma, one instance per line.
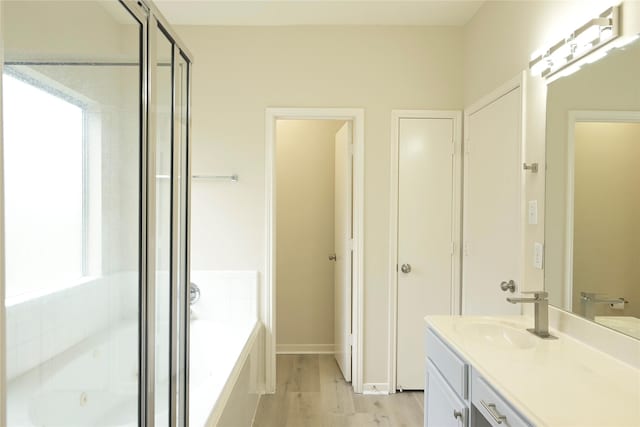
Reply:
x=562, y=58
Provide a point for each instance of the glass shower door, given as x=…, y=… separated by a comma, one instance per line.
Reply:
x=72, y=167
x=170, y=99
x=181, y=191
x=95, y=173
x=164, y=177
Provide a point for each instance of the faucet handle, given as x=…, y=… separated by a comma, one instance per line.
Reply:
x=537, y=294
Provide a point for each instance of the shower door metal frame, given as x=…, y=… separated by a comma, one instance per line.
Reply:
x=3, y=348
x=152, y=21
x=180, y=186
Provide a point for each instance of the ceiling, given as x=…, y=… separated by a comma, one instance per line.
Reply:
x=318, y=12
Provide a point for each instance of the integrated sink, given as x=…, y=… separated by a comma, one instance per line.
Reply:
x=498, y=334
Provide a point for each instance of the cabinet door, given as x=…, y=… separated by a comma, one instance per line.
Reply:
x=443, y=408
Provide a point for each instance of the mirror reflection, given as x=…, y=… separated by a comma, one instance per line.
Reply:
x=592, y=232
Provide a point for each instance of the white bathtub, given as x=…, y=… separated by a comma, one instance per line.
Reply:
x=94, y=382
x=223, y=322
x=215, y=350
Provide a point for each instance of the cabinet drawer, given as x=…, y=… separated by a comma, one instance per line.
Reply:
x=443, y=408
x=452, y=368
x=492, y=406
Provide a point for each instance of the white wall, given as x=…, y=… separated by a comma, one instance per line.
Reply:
x=240, y=71
x=305, y=152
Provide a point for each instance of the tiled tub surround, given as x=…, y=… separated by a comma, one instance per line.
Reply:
x=45, y=326
x=93, y=383
x=561, y=382
x=228, y=297
x=72, y=354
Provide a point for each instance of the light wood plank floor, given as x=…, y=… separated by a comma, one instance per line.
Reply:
x=311, y=392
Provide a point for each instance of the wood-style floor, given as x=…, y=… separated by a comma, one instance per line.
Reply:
x=311, y=392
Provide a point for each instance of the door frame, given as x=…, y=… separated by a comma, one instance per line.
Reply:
x=517, y=82
x=268, y=300
x=582, y=116
x=396, y=115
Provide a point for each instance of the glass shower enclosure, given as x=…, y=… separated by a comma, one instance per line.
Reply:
x=95, y=120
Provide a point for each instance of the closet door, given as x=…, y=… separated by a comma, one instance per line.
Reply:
x=425, y=236
x=492, y=220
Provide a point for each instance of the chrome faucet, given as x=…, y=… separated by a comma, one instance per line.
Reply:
x=590, y=299
x=541, y=312
x=194, y=293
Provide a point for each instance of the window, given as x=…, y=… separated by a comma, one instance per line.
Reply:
x=44, y=188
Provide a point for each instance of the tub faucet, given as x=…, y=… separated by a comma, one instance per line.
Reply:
x=541, y=312
x=194, y=293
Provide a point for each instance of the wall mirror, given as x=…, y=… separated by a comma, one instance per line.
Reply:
x=592, y=206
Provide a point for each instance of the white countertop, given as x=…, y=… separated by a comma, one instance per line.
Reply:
x=559, y=382
x=626, y=324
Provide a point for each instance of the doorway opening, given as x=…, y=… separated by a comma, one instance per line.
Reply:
x=313, y=285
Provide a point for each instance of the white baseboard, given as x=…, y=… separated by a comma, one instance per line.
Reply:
x=375, y=388
x=304, y=349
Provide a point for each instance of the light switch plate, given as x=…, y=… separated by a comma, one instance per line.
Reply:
x=538, y=255
x=533, y=212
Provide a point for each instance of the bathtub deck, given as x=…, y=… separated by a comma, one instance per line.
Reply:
x=312, y=392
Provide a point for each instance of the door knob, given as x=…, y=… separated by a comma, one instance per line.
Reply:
x=332, y=257
x=508, y=286
x=405, y=268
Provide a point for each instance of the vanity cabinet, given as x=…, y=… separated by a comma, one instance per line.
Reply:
x=443, y=408
x=456, y=395
x=447, y=385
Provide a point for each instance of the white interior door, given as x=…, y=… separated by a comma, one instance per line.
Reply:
x=343, y=237
x=492, y=206
x=425, y=236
